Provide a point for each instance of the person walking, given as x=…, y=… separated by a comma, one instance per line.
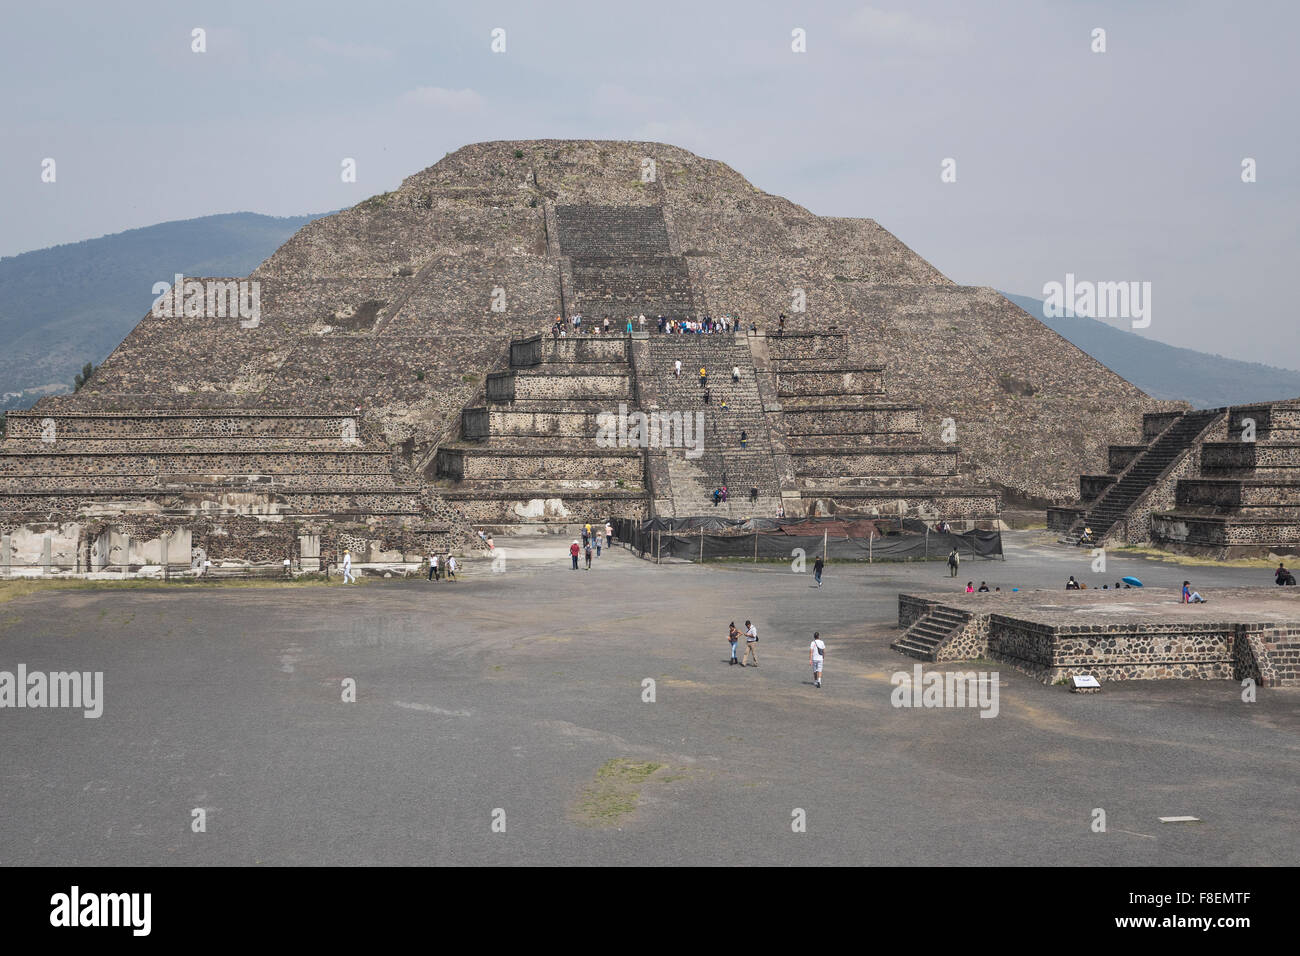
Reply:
x=588, y=552
x=609, y=535
x=751, y=644
x=733, y=638
x=735, y=373
x=347, y=568
x=816, y=657
x=954, y=562
x=817, y=569
x=596, y=539
x=677, y=368
x=574, y=552
x=433, y=567
x=451, y=567
x=704, y=376
x=744, y=438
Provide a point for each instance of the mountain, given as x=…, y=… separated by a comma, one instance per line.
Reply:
x=1166, y=371
x=71, y=304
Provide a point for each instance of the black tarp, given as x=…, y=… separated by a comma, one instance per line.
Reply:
x=708, y=538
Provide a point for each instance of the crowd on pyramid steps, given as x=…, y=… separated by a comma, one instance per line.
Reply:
x=701, y=325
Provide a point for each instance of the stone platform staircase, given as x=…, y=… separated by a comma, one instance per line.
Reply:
x=923, y=639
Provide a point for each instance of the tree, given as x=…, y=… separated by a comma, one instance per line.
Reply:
x=83, y=376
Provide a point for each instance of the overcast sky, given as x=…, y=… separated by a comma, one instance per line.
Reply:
x=1117, y=166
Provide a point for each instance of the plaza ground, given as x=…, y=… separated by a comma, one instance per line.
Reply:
x=521, y=691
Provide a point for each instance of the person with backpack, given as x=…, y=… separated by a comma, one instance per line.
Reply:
x=817, y=657
x=733, y=638
x=751, y=644
x=954, y=562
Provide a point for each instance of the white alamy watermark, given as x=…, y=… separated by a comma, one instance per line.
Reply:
x=209, y=299
x=83, y=690
x=75, y=908
x=656, y=430
x=1098, y=300
x=946, y=689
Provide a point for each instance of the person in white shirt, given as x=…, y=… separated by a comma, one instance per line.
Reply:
x=347, y=568
x=751, y=644
x=816, y=656
x=609, y=534
x=735, y=373
x=434, y=573
x=677, y=368
x=451, y=567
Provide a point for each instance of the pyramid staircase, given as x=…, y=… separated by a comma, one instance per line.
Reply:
x=1141, y=475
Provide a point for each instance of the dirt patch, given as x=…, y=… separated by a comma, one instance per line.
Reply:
x=613, y=795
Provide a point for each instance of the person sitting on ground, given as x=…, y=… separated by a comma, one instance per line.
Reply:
x=970, y=587
x=724, y=404
x=983, y=587
x=735, y=373
x=1086, y=537
x=1072, y=585
x=1282, y=576
x=1190, y=596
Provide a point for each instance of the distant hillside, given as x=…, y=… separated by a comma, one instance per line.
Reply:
x=71, y=304
x=1166, y=371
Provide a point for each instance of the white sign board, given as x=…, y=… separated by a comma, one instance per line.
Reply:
x=1085, y=680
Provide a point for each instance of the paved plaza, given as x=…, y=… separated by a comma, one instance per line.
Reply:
x=501, y=719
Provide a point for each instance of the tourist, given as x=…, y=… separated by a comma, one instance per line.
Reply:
x=751, y=644
x=1072, y=584
x=733, y=637
x=753, y=494
x=970, y=587
x=735, y=373
x=744, y=439
x=724, y=405
x=587, y=551
x=984, y=588
x=609, y=535
x=706, y=396
x=677, y=368
x=724, y=492
x=604, y=326
x=629, y=327
x=574, y=552
x=434, y=574
x=704, y=376
x=818, y=565
x=641, y=323
x=780, y=511
x=1190, y=596
x=451, y=567
x=954, y=562
x=1282, y=576
x=596, y=538
x=816, y=657
x=1086, y=537
x=717, y=496
x=347, y=568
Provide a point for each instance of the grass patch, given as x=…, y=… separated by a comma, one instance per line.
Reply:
x=614, y=793
x=1192, y=560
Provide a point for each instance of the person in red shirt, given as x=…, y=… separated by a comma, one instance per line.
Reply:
x=574, y=551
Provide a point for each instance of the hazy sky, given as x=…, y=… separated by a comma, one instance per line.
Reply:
x=1115, y=166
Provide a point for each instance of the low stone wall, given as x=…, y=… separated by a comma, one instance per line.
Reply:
x=1278, y=495
x=586, y=348
x=1153, y=423
x=960, y=509
x=1221, y=531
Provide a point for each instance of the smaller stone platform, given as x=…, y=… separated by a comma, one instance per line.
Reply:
x=1137, y=634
